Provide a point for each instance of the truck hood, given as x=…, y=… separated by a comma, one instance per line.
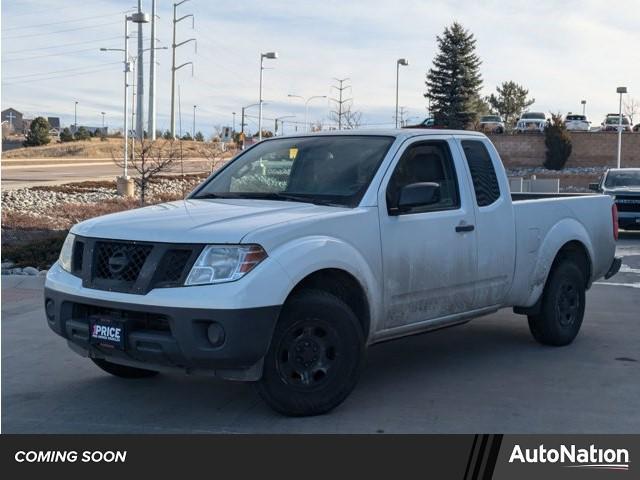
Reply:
x=198, y=221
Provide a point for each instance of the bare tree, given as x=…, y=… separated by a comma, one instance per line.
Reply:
x=352, y=119
x=631, y=108
x=151, y=158
x=316, y=126
x=213, y=152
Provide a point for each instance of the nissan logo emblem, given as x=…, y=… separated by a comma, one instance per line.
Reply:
x=118, y=262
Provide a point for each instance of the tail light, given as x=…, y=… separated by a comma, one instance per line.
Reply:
x=614, y=219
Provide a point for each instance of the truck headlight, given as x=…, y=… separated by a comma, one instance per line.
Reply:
x=224, y=263
x=66, y=252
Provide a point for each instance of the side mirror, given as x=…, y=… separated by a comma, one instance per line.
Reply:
x=594, y=186
x=417, y=195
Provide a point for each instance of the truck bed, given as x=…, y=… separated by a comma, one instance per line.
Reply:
x=543, y=218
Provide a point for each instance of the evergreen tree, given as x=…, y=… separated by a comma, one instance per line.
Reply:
x=167, y=135
x=454, y=81
x=38, y=133
x=199, y=137
x=66, y=135
x=511, y=100
x=82, y=134
x=187, y=136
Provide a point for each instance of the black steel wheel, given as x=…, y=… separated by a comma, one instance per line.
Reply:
x=316, y=355
x=562, y=306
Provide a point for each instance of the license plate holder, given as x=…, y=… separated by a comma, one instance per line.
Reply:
x=107, y=332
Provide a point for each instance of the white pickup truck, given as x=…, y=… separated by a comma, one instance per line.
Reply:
x=285, y=265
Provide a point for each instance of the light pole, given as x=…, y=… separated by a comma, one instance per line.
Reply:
x=175, y=68
x=75, y=117
x=271, y=56
x=242, y=122
x=234, y=122
x=584, y=105
x=404, y=62
x=279, y=119
x=139, y=17
x=193, y=127
x=125, y=187
x=621, y=91
x=306, y=106
x=103, y=114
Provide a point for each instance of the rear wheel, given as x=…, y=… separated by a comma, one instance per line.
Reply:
x=123, y=371
x=316, y=355
x=562, y=308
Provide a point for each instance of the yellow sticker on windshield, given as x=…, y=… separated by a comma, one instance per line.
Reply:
x=293, y=153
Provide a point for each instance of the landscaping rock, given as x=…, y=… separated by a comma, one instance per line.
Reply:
x=30, y=271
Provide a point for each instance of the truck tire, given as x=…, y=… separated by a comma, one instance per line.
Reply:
x=123, y=371
x=316, y=355
x=562, y=307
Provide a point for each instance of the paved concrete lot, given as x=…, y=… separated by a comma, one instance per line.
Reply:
x=486, y=376
x=46, y=171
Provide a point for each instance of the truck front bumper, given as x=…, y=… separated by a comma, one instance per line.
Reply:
x=229, y=343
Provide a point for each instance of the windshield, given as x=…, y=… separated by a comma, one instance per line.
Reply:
x=533, y=116
x=576, y=117
x=333, y=170
x=616, y=120
x=490, y=118
x=620, y=178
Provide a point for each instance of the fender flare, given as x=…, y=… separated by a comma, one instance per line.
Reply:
x=301, y=257
x=565, y=231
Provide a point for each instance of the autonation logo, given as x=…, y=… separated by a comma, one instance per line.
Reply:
x=574, y=457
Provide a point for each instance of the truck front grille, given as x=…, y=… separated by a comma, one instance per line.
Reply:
x=131, y=267
x=629, y=203
x=120, y=261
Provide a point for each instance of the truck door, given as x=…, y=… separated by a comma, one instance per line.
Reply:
x=428, y=251
x=495, y=225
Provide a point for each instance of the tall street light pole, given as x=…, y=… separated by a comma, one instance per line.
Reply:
x=404, y=62
x=124, y=186
x=234, y=122
x=584, y=105
x=103, y=114
x=621, y=91
x=151, y=122
x=139, y=17
x=306, y=106
x=272, y=56
x=175, y=68
x=75, y=117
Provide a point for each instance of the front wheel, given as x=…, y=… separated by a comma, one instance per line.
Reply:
x=562, y=308
x=316, y=355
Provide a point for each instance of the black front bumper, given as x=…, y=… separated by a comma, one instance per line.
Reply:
x=171, y=337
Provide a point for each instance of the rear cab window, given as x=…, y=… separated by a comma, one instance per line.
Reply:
x=483, y=174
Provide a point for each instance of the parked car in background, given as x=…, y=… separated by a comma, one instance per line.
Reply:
x=429, y=122
x=492, y=124
x=531, y=122
x=636, y=128
x=577, y=123
x=623, y=184
x=612, y=121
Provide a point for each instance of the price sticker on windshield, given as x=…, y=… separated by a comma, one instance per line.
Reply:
x=293, y=153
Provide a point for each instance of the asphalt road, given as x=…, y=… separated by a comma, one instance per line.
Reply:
x=486, y=376
x=47, y=171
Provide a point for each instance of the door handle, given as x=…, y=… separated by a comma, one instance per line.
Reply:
x=465, y=228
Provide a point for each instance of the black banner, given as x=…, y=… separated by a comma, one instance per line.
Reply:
x=466, y=457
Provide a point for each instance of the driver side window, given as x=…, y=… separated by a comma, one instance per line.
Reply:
x=431, y=162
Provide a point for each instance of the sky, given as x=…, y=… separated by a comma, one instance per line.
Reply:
x=562, y=51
